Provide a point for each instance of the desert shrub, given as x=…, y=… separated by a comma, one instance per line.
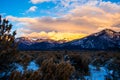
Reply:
x=27, y=75
x=86, y=60
x=56, y=71
x=80, y=62
x=25, y=59
x=48, y=68
x=15, y=75
x=39, y=60
x=55, y=56
x=53, y=66
x=64, y=71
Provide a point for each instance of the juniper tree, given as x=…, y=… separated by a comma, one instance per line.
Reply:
x=7, y=45
x=6, y=37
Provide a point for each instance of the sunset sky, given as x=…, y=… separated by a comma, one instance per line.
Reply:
x=61, y=19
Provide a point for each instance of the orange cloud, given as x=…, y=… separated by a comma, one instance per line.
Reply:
x=83, y=19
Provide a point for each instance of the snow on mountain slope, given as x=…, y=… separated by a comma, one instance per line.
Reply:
x=37, y=44
x=105, y=39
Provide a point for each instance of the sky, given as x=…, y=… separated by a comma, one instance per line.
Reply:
x=61, y=19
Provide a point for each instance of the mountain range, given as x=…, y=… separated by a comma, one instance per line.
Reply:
x=106, y=39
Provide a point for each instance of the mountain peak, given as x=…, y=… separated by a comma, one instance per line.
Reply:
x=108, y=31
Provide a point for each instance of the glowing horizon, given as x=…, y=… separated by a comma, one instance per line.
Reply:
x=55, y=35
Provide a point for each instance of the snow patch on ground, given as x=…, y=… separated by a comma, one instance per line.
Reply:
x=98, y=73
x=32, y=66
x=19, y=67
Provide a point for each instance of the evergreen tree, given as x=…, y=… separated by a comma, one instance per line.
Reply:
x=6, y=37
x=7, y=45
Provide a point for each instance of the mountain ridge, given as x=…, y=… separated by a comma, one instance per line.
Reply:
x=103, y=40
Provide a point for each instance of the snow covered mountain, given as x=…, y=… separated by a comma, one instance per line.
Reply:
x=37, y=44
x=104, y=40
